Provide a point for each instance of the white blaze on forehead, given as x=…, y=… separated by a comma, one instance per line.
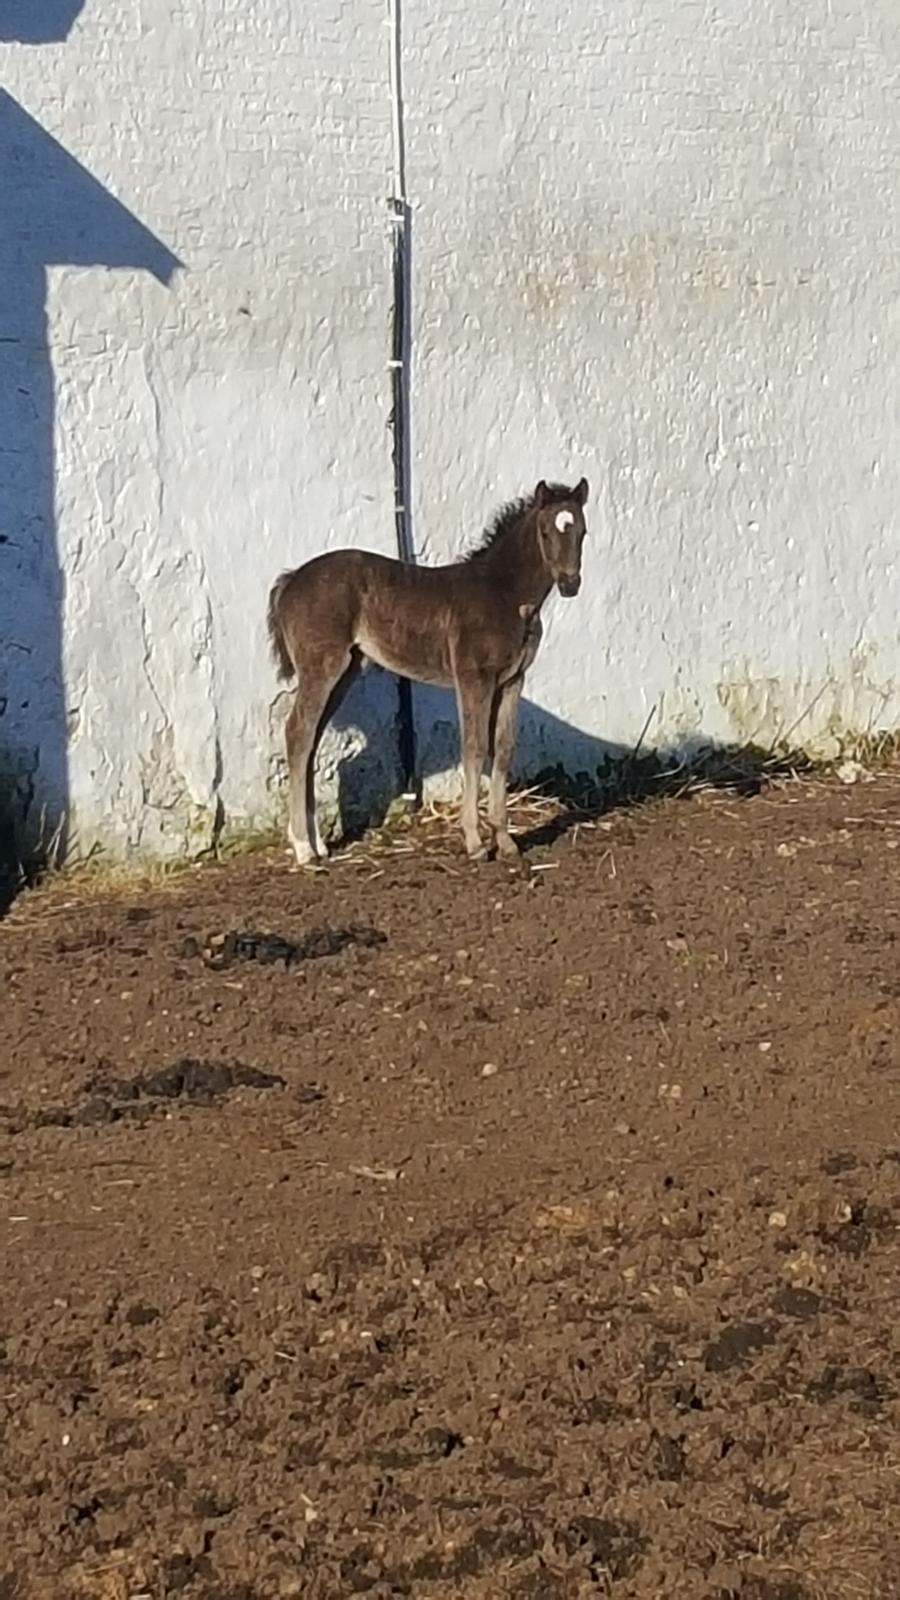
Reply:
x=564, y=520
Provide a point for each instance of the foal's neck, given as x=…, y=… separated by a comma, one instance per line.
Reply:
x=520, y=565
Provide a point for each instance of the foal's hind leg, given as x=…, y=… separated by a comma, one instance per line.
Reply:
x=506, y=716
x=321, y=691
x=299, y=736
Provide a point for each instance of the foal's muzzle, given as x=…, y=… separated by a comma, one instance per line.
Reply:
x=568, y=586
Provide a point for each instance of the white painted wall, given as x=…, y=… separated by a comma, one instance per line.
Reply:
x=210, y=432
x=656, y=244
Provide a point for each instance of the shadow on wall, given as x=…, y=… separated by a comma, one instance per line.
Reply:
x=370, y=771
x=38, y=21
x=585, y=772
x=53, y=213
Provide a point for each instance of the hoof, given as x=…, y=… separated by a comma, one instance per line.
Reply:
x=478, y=853
x=507, y=849
x=304, y=854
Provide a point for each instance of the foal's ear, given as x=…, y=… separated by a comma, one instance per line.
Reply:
x=581, y=493
x=541, y=495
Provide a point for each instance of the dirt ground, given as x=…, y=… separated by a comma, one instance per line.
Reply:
x=496, y=1235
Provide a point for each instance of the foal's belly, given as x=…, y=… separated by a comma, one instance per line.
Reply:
x=424, y=666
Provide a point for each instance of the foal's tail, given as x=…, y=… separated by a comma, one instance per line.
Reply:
x=284, y=664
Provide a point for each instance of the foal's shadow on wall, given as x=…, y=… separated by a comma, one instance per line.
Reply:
x=586, y=775
x=370, y=776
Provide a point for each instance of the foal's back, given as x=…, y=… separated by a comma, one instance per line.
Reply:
x=407, y=619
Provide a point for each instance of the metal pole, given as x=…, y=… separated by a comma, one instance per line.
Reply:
x=401, y=351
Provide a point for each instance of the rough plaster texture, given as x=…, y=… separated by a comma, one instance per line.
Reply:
x=206, y=425
x=654, y=244
x=658, y=244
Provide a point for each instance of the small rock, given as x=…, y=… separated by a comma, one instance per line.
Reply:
x=490, y=1069
x=778, y=1219
x=853, y=772
x=257, y=1273
x=796, y=1302
x=623, y=1128
x=804, y=1269
x=737, y=1343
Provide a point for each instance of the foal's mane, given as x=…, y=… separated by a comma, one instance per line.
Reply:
x=510, y=516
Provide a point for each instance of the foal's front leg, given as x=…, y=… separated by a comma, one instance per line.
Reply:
x=474, y=695
x=506, y=717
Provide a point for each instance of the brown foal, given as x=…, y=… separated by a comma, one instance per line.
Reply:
x=473, y=625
